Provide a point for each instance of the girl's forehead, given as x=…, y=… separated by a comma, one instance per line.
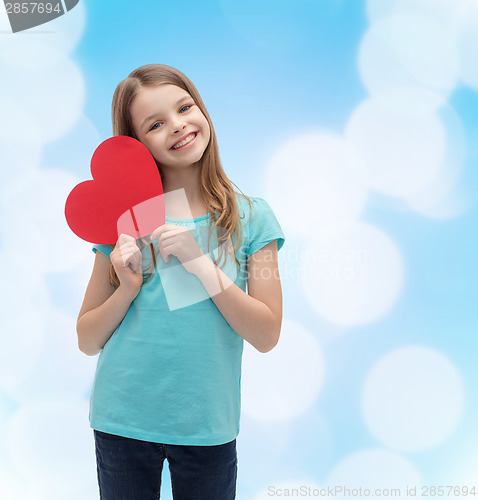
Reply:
x=164, y=91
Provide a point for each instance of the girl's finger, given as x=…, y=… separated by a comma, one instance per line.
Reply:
x=167, y=228
x=162, y=253
x=137, y=268
x=127, y=261
x=131, y=257
x=166, y=250
x=166, y=256
x=154, y=235
x=171, y=233
x=128, y=246
x=124, y=238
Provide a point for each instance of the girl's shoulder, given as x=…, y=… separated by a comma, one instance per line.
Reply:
x=250, y=206
x=260, y=224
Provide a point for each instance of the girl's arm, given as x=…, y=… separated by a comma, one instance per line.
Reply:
x=257, y=316
x=103, y=309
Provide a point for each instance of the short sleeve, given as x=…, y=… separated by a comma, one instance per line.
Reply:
x=263, y=227
x=106, y=249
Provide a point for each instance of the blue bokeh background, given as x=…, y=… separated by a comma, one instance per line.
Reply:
x=268, y=72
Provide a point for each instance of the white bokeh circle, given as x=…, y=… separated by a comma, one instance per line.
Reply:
x=467, y=43
x=84, y=490
x=11, y=482
x=355, y=279
x=322, y=177
x=410, y=100
x=377, y=9
x=41, y=194
x=284, y=382
x=61, y=369
x=374, y=469
x=51, y=444
x=25, y=251
x=449, y=14
x=408, y=49
x=54, y=96
x=40, y=197
x=441, y=197
x=412, y=399
x=22, y=337
x=16, y=158
x=403, y=151
x=265, y=442
x=466, y=469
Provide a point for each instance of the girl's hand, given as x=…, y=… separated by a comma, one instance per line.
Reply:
x=178, y=241
x=127, y=261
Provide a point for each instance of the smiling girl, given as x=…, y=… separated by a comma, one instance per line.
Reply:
x=168, y=382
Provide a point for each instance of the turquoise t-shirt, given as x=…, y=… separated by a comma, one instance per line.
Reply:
x=171, y=371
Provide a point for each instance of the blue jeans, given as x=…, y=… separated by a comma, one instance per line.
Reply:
x=129, y=469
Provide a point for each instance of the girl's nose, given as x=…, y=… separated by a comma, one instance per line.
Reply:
x=179, y=125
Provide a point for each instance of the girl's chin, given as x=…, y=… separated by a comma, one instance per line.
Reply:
x=187, y=162
x=192, y=157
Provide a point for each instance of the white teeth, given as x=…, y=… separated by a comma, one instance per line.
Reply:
x=189, y=138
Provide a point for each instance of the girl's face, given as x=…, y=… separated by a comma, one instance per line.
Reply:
x=164, y=117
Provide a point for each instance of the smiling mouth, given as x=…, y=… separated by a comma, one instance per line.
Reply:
x=181, y=145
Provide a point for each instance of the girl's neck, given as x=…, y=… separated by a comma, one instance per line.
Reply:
x=178, y=207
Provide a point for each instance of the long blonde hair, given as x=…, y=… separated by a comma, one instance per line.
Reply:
x=215, y=188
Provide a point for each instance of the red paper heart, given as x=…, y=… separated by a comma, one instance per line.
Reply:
x=125, y=195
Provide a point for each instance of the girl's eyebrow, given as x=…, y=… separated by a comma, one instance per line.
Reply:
x=184, y=98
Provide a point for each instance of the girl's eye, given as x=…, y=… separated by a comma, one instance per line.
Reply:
x=187, y=106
